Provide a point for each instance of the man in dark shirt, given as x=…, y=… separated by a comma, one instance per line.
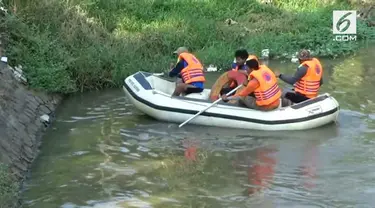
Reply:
x=241, y=56
x=181, y=87
x=296, y=97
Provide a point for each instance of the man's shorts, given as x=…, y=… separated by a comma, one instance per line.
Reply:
x=193, y=90
x=250, y=102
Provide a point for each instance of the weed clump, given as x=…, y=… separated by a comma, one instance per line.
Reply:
x=8, y=188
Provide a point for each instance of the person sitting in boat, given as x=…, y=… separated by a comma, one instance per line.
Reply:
x=263, y=83
x=307, y=79
x=241, y=56
x=191, y=71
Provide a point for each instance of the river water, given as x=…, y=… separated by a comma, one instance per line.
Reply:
x=102, y=152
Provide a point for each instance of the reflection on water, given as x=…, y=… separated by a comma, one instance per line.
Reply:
x=102, y=152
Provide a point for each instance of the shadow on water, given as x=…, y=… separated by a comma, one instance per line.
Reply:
x=102, y=152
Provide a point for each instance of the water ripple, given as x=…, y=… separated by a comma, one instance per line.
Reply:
x=107, y=154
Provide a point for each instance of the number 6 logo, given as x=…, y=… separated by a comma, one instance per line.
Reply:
x=344, y=22
x=317, y=69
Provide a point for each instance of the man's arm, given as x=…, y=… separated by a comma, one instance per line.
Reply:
x=177, y=69
x=301, y=71
x=250, y=87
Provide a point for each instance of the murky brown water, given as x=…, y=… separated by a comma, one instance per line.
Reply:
x=102, y=152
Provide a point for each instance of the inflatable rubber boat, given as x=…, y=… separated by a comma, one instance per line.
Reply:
x=151, y=94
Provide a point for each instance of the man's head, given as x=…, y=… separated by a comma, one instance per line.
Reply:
x=181, y=50
x=304, y=55
x=252, y=64
x=241, y=55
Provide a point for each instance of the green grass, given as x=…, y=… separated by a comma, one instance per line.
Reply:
x=75, y=45
x=8, y=188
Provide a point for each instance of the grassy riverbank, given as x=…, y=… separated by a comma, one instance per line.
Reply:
x=68, y=46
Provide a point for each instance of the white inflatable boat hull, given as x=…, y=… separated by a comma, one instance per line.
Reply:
x=152, y=95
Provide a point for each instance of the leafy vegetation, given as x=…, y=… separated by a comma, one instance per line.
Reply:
x=75, y=45
x=8, y=188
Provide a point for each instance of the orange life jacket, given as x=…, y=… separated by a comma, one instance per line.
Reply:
x=309, y=84
x=268, y=90
x=261, y=173
x=234, y=84
x=193, y=72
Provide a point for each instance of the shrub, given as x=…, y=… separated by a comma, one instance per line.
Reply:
x=91, y=44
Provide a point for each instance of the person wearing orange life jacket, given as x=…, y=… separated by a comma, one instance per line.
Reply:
x=307, y=79
x=263, y=83
x=191, y=71
x=241, y=56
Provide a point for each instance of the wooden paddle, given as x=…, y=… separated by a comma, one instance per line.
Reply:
x=200, y=112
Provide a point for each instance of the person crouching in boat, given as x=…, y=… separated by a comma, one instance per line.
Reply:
x=191, y=71
x=307, y=79
x=263, y=83
x=238, y=65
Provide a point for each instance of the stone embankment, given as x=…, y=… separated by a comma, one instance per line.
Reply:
x=24, y=115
